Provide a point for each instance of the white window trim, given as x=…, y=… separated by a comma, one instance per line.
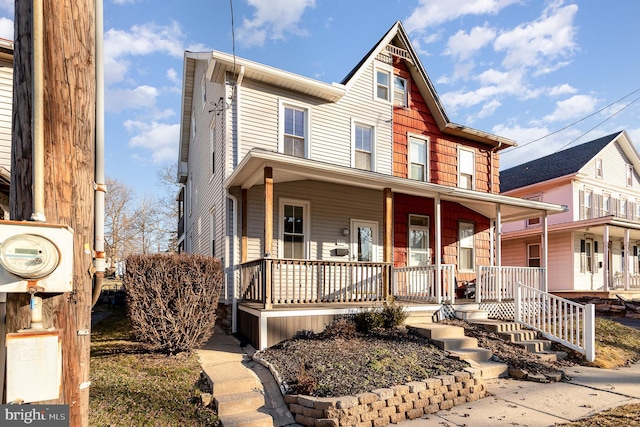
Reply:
x=473, y=246
x=473, y=176
x=306, y=205
x=375, y=243
x=405, y=103
x=212, y=231
x=212, y=147
x=387, y=69
x=355, y=122
x=282, y=104
x=599, y=164
x=423, y=228
x=629, y=175
x=427, y=172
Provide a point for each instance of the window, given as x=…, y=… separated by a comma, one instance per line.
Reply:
x=212, y=146
x=599, y=172
x=363, y=144
x=466, y=246
x=203, y=91
x=193, y=125
x=534, y=222
x=585, y=204
x=533, y=255
x=629, y=175
x=383, y=84
x=623, y=208
x=466, y=167
x=294, y=229
x=399, y=91
x=606, y=205
x=418, y=159
x=212, y=232
x=294, y=128
x=419, y=252
x=586, y=255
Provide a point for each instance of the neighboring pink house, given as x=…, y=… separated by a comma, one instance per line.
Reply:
x=593, y=246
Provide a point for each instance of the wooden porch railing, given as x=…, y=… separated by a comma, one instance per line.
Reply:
x=293, y=281
x=618, y=281
x=499, y=283
x=418, y=284
x=557, y=319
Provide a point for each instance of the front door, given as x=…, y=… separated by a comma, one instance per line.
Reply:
x=365, y=279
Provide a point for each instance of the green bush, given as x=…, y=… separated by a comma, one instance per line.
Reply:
x=172, y=299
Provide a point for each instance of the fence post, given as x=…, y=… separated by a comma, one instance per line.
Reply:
x=590, y=332
x=267, y=284
x=478, y=284
x=517, y=302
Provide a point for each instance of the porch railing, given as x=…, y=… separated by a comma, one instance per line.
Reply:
x=499, y=283
x=618, y=281
x=557, y=319
x=293, y=281
x=419, y=284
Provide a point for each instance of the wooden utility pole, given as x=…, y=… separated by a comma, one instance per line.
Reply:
x=69, y=150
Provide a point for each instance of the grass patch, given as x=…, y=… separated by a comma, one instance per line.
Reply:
x=616, y=345
x=133, y=386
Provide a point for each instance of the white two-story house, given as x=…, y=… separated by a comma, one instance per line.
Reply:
x=593, y=246
x=324, y=197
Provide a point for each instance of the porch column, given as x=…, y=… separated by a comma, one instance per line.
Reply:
x=605, y=256
x=545, y=251
x=627, y=258
x=387, y=241
x=268, y=234
x=438, y=251
x=498, y=252
x=245, y=227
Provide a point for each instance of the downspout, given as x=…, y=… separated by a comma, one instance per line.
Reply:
x=38, y=113
x=236, y=94
x=231, y=262
x=99, y=184
x=491, y=152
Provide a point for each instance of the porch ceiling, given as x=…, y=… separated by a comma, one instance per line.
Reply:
x=288, y=168
x=595, y=227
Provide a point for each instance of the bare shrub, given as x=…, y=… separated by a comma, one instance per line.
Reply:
x=341, y=328
x=171, y=299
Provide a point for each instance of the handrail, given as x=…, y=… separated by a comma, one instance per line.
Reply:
x=558, y=319
x=418, y=283
x=497, y=283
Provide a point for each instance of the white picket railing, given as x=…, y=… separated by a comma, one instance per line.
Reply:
x=418, y=283
x=558, y=319
x=498, y=283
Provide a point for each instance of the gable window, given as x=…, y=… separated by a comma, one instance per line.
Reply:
x=629, y=175
x=294, y=229
x=419, y=252
x=466, y=256
x=466, y=168
x=418, y=159
x=599, y=172
x=363, y=146
x=533, y=255
x=399, y=91
x=383, y=85
x=295, y=131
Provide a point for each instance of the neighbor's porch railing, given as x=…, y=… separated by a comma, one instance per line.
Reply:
x=618, y=281
x=293, y=281
x=499, y=283
x=557, y=319
x=418, y=284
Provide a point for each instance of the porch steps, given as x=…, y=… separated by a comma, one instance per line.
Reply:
x=452, y=339
x=526, y=338
x=470, y=312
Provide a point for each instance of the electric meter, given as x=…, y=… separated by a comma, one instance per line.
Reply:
x=29, y=256
x=35, y=254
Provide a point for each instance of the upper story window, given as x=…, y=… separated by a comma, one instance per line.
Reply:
x=363, y=146
x=629, y=175
x=599, y=171
x=294, y=130
x=419, y=251
x=606, y=204
x=400, y=91
x=533, y=255
x=586, y=205
x=383, y=84
x=466, y=169
x=534, y=222
x=418, y=159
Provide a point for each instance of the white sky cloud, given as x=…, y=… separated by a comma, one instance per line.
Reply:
x=6, y=28
x=464, y=45
x=430, y=13
x=124, y=99
x=564, y=89
x=173, y=76
x=272, y=19
x=158, y=138
x=575, y=107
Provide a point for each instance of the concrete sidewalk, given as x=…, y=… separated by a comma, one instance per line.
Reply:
x=526, y=403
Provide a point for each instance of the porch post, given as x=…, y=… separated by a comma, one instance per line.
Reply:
x=387, y=241
x=627, y=269
x=498, y=252
x=545, y=252
x=438, y=251
x=268, y=233
x=605, y=256
x=245, y=227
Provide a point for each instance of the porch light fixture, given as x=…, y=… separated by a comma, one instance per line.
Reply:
x=345, y=231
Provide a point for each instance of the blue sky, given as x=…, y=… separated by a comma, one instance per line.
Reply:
x=520, y=69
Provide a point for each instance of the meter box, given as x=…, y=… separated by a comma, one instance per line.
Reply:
x=35, y=254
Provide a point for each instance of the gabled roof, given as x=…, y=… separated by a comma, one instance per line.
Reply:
x=563, y=163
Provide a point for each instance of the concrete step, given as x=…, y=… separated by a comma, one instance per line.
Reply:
x=229, y=404
x=420, y=317
x=247, y=419
x=469, y=315
x=535, y=346
x=232, y=378
x=472, y=354
x=436, y=331
x=498, y=325
x=521, y=335
x=457, y=343
x=488, y=370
